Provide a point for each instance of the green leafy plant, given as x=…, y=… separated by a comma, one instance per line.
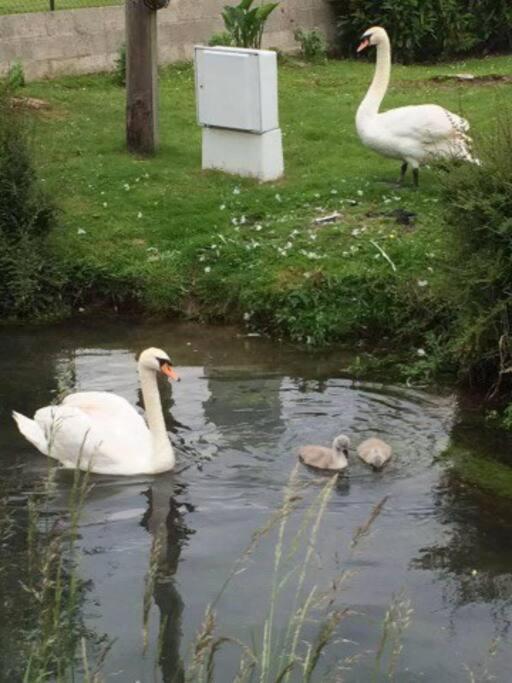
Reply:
x=427, y=29
x=119, y=75
x=16, y=76
x=245, y=24
x=313, y=46
x=27, y=214
x=223, y=38
x=478, y=201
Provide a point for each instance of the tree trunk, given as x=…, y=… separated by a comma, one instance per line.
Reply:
x=141, y=78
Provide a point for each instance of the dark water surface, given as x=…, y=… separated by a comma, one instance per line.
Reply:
x=243, y=407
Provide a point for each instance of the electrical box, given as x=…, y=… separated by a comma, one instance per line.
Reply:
x=236, y=88
x=236, y=96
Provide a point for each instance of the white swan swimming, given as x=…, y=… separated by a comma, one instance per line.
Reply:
x=102, y=433
x=374, y=452
x=323, y=458
x=416, y=133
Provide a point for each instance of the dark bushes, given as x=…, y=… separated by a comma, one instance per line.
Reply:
x=426, y=30
x=479, y=211
x=29, y=280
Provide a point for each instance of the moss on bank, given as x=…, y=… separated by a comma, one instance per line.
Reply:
x=481, y=471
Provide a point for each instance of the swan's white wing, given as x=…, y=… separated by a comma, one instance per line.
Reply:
x=97, y=438
x=100, y=401
x=427, y=124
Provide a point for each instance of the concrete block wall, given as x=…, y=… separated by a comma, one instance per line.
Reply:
x=87, y=40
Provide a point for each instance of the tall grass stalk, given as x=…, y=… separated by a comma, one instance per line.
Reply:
x=396, y=621
x=53, y=583
x=278, y=658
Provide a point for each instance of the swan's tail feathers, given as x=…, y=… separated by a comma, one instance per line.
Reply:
x=463, y=142
x=31, y=431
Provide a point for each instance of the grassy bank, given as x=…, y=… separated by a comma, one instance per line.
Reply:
x=163, y=235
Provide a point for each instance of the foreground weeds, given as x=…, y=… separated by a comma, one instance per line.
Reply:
x=280, y=654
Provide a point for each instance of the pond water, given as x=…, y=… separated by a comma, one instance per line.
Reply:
x=243, y=407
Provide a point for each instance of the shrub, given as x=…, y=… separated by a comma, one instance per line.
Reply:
x=119, y=75
x=246, y=24
x=479, y=212
x=29, y=279
x=16, y=76
x=422, y=30
x=223, y=38
x=313, y=45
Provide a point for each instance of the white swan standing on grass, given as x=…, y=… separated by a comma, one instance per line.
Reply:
x=102, y=433
x=416, y=133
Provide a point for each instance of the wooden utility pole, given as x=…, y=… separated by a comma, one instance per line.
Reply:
x=141, y=78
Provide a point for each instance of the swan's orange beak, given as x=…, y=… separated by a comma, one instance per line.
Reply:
x=363, y=44
x=169, y=371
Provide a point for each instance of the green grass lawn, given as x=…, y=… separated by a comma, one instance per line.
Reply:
x=163, y=233
x=21, y=6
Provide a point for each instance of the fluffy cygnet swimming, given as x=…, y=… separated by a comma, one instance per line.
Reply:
x=322, y=458
x=374, y=452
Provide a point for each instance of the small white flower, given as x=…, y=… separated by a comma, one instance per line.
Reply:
x=355, y=232
x=243, y=220
x=360, y=193
x=236, y=190
x=207, y=269
x=474, y=572
x=421, y=352
x=422, y=283
x=334, y=191
x=258, y=227
x=278, y=197
x=126, y=186
x=222, y=207
x=288, y=245
x=102, y=192
x=202, y=258
x=234, y=221
x=247, y=315
x=146, y=175
x=139, y=215
x=81, y=231
x=105, y=204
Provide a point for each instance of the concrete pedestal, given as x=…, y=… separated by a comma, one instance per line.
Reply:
x=242, y=153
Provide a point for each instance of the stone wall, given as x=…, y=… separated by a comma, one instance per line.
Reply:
x=88, y=40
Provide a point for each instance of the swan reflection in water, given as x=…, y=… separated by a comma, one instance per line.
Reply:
x=164, y=520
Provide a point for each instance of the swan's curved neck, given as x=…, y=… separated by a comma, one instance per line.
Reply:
x=163, y=453
x=373, y=98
